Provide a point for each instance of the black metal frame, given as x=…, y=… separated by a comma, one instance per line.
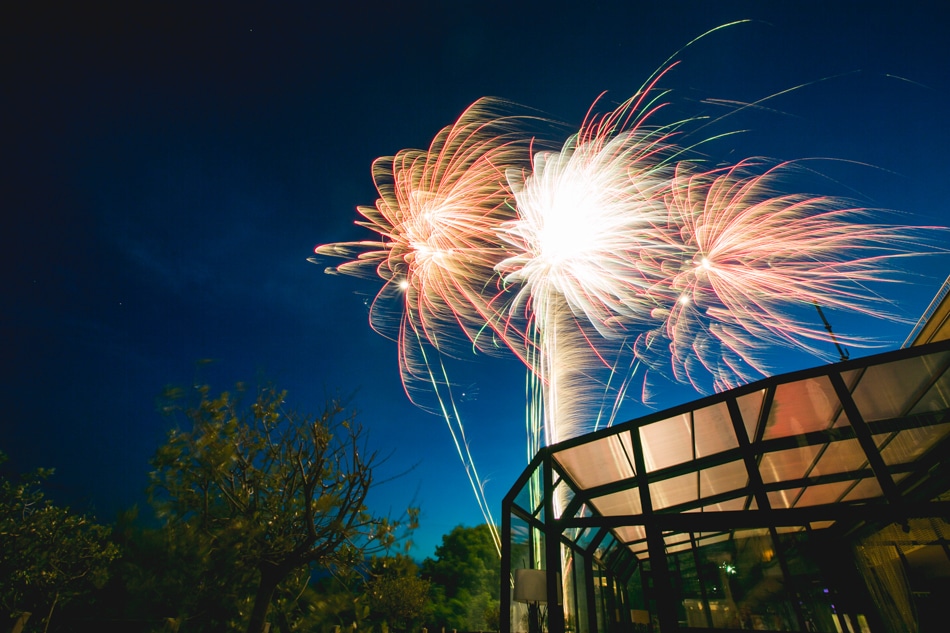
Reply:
x=911, y=498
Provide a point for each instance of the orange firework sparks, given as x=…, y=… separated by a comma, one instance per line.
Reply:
x=437, y=216
x=744, y=256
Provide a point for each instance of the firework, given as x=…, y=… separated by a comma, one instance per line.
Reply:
x=743, y=259
x=436, y=216
x=585, y=215
x=612, y=250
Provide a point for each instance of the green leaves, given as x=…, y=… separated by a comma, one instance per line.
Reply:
x=465, y=576
x=397, y=595
x=277, y=491
x=48, y=554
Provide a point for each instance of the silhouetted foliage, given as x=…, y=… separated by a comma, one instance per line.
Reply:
x=49, y=556
x=255, y=496
x=397, y=595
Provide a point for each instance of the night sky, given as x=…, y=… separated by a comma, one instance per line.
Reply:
x=169, y=167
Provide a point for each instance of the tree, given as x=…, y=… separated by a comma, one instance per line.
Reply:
x=268, y=493
x=397, y=595
x=48, y=554
x=465, y=577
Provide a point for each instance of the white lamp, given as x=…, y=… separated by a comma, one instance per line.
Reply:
x=531, y=585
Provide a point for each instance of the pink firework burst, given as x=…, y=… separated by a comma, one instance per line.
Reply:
x=744, y=258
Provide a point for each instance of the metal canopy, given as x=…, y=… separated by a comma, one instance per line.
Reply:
x=840, y=444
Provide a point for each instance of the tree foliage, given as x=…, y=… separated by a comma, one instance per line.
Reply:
x=262, y=494
x=465, y=577
x=48, y=554
x=397, y=595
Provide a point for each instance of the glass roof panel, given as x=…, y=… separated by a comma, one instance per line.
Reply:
x=867, y=488
x=820, y=525
x=673, y=491
x=802, y=406
x=714, y=538
x=791, y=463
x=724, y=478
x=783, y=498
x=851, y=377
x=880, y=439
x=840, y=457
x=750, y=406
x=910, y=444
x=822, y=494
x=724, y=506
x=841, y=421
x=619, y=503
x=937, y=397
x=713, y=429
x=630, y=533
x=676, y=537
x=667, y=442
x=598, y=462
x=889, y=390
x=672, y=549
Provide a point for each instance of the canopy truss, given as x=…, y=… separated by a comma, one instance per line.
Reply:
x=841, y=450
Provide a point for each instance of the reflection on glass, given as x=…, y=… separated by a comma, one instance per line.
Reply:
x=734, y=584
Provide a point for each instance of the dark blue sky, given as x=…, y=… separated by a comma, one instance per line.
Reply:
x=167, y=170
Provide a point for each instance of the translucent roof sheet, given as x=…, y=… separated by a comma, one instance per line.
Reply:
x=889, y=390
x=630, y=533
x=621, y=503
x=599, y=462
x=807, y=454
x=784, y=498
x=714, y=432
x=674, y=491
x=840, y=457
x=792, y=463
x=801, y=407
x=723, y=478
x=667, y=442
x=733, y=504
x=937, y=397
x=864, y=489
x=822, y=493
x=907, y=446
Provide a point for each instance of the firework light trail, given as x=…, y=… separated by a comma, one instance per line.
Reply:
x=585, y=213
x=437, y=214
x=748, y=263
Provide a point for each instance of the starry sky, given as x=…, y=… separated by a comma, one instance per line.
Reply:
x=169, y=167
